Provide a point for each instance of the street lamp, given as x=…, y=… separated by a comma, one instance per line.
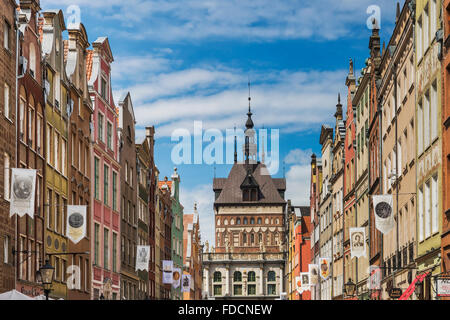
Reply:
x=350, y=288
x=46, y=275
x=418, y=290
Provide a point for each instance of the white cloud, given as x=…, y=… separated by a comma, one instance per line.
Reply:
x=297, y=184
x=204, y=196
x=298, y=156
x=247, y=20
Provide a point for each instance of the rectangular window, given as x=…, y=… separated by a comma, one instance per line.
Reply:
x=434, y=112
x=399, y=158
x=426, y=23
x=114, y=194
x=100, y=126
x=56, y=152
x=6, y=249
x=57, y=214
x=106, y=184
x=49, y=209
x=420, y=209
x=97, y=244
x=252, y=289
x=7, y=177
x=39, y=133
x=106, y=248
x=22, y=119
x=109, y=134
x=96, y=178
x=63, y=156
x=30, y=127
x=271, y=289
x=426, y=120
x=433, y=22
x=237, y=289
x=104, y=89
x=427, y=210
x=6, y=101
x=419, y=39
x=434, y=205
x=114, y=253
x=420, y=127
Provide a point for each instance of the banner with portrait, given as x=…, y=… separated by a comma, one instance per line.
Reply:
x=305, y=281
x=384, y=213
x=325, y=266
x=186, y=283
x=142, y=257
x=298, y=282
x=167, y=271
x=76, y=223
x=23, y=191
x=313, y=274
x=358, y=242
x=374, y=282
x=176, y=277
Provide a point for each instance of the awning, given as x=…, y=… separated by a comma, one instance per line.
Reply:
x=408, y=292
x=14, y=295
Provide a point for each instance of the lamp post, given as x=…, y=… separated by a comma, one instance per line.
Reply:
x=46, y=275
x=350, y=288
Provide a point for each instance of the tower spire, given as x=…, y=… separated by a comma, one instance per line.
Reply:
x=263, y=155
x=235, y=145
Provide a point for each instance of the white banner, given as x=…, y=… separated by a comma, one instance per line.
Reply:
x=142, y=257
x=186, y=283
x=176, y=277
x=324, y=265
x=167, y=271
x=76, y=223
x=305, y=281
x=313, y=274
x=443, y=287
x=358, y=242
x=374, y=282
x=384, y=217
x=23, y=190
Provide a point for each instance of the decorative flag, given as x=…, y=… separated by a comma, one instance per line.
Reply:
x=142, y=257
x=313, y=274
x=384, y=218
x=76, y=223
x=167, y=271
x=374, y=282
x=358, y=242
x=23, y=189
x=185, y=283
x=298, y=281
x=176, y=277
x=324, y=264
x=305, y=280
x=408, y=292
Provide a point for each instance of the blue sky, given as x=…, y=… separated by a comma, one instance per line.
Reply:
x=186, y=61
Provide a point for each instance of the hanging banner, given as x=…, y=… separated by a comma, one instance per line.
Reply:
x=408, y=292
x=313, y=274
x=142, y=257
x=185, y=283
x=23, y=190
x=176, y=277
x=298, y=281
x=167, y=271
x=374, y=282
x=305, y=281
x=324, y=264
x=443, y=286
x=76, y=223
x=358, y=242
x=384, y=218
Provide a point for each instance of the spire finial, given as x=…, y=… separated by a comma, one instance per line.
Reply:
x=235, y=145
x=249, y=95
x=339, y=98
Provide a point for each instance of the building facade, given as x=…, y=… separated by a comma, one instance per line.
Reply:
x=105, y=166
x=397, y=97
x=445, y=252
x=177, y=230
x=128, y=186
x=79, y=109
x=249, y=259
x=8, y=54
x=192, y=254
x=165, y=211
x=30, y=151
x=429, y=143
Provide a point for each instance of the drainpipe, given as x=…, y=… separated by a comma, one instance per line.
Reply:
x=16, y=17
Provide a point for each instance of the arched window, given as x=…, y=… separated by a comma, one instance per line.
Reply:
x=252, y=221
x=252, y=237
x=32, y=60
x=245, y=221
x=237, y=276
x=251, y=276
x=260, y=237
x=238, y=221
x=217, y=276
x=259, y=221
x=244, y=238
x=271, y=276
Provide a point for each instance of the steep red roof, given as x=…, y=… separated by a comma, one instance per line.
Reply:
x=89, y=57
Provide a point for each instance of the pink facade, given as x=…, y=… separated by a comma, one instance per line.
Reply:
x=105, y=195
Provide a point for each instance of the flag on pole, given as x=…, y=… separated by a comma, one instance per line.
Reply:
x=384, y=218
x=23, y=190
x=76, y=223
